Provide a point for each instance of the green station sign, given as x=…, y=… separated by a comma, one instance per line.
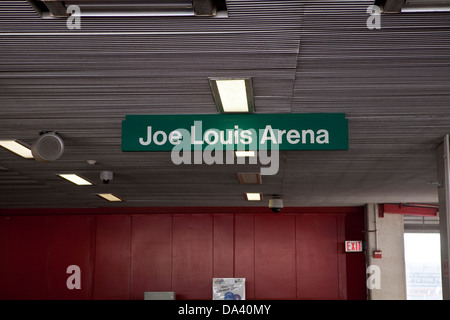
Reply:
x=288, y=131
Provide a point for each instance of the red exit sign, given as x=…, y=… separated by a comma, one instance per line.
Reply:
x=353, y=246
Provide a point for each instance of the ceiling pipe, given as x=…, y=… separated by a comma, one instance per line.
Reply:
x=416, y=209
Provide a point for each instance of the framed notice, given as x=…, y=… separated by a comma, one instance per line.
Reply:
x=228, y=288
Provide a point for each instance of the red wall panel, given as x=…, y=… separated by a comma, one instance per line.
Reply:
x=112, y=257
x=121, y=256
x=223, y=246
x=70, y=244
x=319, y=259
x=192, y=256
x=151, y=254
x=275, y=270
x=244, y=252
x=26, y=261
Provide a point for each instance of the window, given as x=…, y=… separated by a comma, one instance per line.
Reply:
x=423, y=266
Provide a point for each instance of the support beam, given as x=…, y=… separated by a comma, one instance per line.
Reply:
x=204, y=7
x=390, y=6
x=385, y=235
x=409, y=209
x=56, y=8
x=443, y=171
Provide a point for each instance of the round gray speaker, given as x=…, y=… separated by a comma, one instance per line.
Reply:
x=48, y=147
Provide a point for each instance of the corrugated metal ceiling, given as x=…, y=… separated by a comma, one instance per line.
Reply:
x=304, y=56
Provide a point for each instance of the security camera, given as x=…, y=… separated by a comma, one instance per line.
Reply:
x=276, y=204
x=106, y=176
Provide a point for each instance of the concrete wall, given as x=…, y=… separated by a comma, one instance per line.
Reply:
x=392, y=264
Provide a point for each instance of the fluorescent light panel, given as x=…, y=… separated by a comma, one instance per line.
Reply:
x=250, y=196
x=233, y=95
x=76, y=179
x=109, y=197
x=17, y=148
x=242, y=154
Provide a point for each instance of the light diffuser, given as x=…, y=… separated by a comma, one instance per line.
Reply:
x=17, y=148
x=109, y=197
x=75, y=179
x=233, y=95
x=253, y=196
x=242, y=154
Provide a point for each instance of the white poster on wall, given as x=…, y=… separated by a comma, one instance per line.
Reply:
x=228, y=288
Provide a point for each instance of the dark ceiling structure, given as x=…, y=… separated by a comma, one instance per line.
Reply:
x=392, y=83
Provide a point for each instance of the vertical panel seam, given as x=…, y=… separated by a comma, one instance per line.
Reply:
x=338, y=238
x=234, y=245
x=171, y=253
x=94, y=252
x=254, y=257
x=295, y=256
x=130, y=278
x=341, y=263
x=213, y=244
x=48, y=254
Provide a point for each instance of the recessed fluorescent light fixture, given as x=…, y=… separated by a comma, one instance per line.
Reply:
x=250, y=196
x=109, y=197
x=249, y=178
x=242, y=154
x=17, y=148
x=76, y=179
x=233, y=95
